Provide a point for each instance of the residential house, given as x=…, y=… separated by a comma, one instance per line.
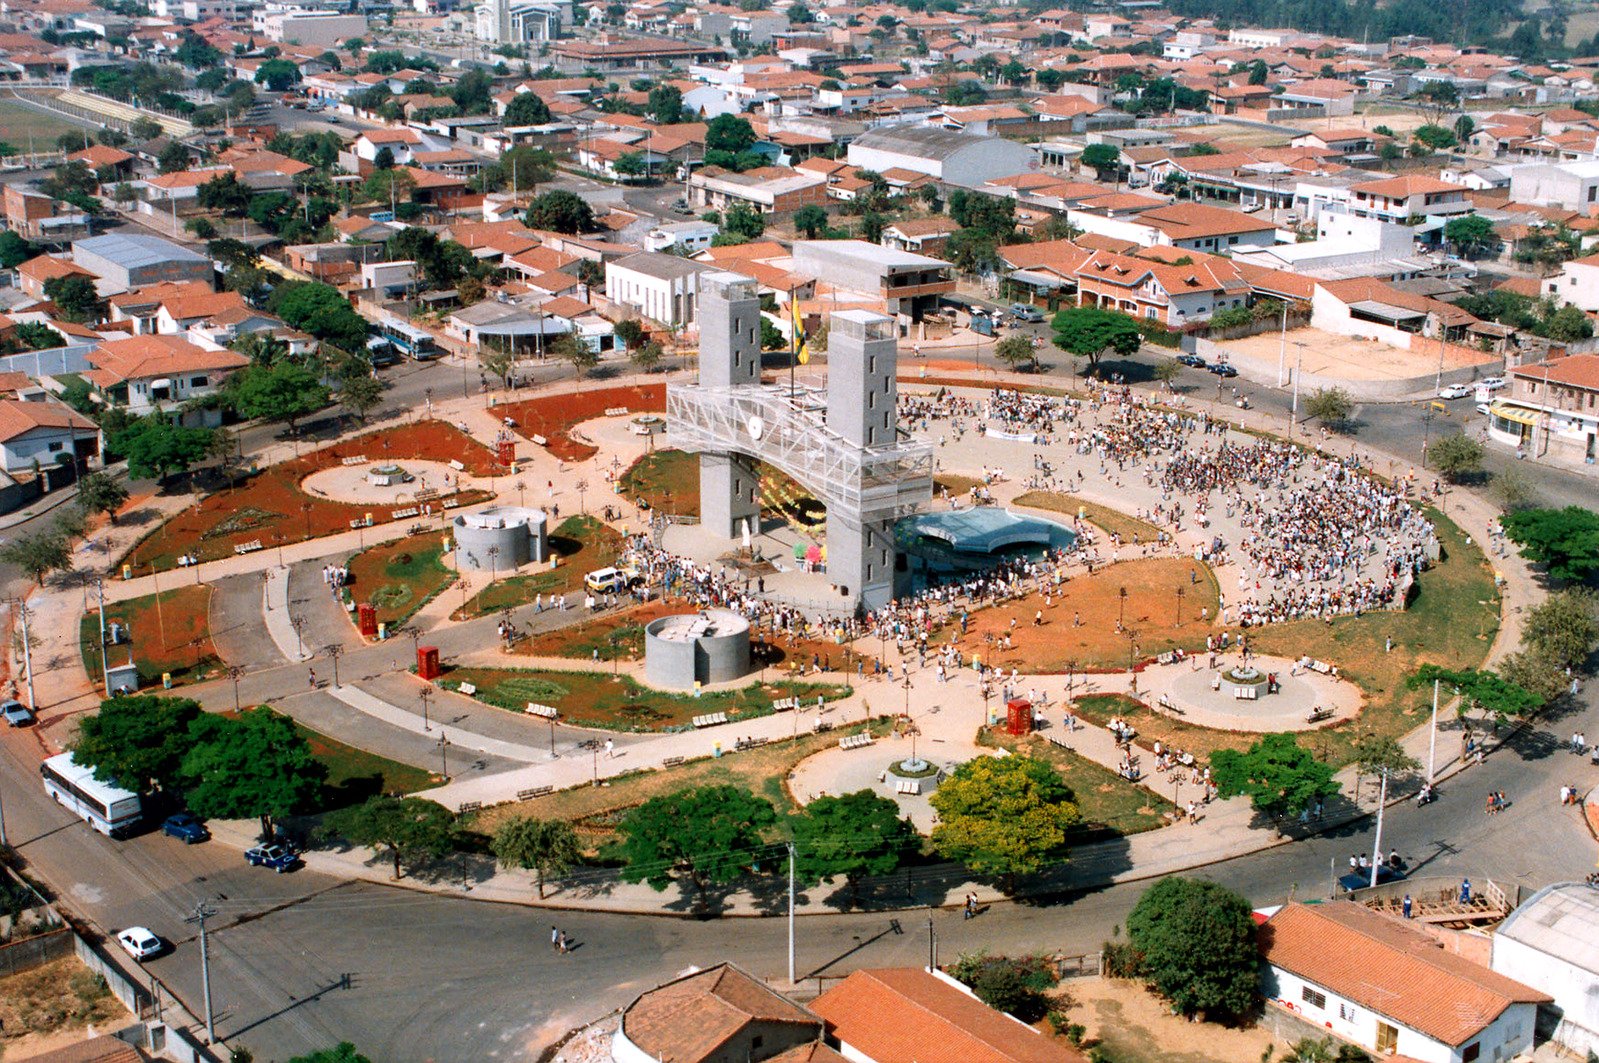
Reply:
x=664, y=288
x=1399, y=199
x=924, y=236
x=36, y=216
x=1552, y=411
x=1376, y=310
x=35, y=273
x=1568, y=185
x=945, y=155
x=42, y=434
x=912, y=1015
x=766, y=189
x=907, y=284
x=1390, y=988
x=142, y=373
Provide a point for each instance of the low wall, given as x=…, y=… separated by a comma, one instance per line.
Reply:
x=24, y=955
x=134, y=997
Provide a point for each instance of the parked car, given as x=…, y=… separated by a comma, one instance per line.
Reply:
x=1197, y=361
x=1484, y=408
x=1492, y=383
x=1023, y=312
x=1223, y=369
x=16, y=713
x=140, y=942
x=277, y=856
x=185, y=826
x=1359, y=880
x=1454, y=391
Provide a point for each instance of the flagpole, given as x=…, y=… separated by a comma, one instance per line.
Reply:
x=793, y=341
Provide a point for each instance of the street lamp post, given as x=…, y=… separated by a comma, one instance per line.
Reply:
x=1182, y=592
x=298, y=623
x=1121, y=608
x=235, y=673
x=426, y=695
x=335, y=651
x=582, y=486
x=1132, y=651
x=444, y=756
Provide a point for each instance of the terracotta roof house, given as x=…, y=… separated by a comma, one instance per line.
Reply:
x=1375, y=980
x=142, y=372
x=43, y=432
x=719, y=1015
x=908, y=1015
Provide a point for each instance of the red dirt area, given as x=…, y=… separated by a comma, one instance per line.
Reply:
x=553, y=416
x=1149, y=615
x=271, y=504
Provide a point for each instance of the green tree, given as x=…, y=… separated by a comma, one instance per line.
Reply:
x=360, y=394
x=630, y=332
x=647, y=356
x=1168, y=370
x=1015, y=350
x=743, y=222
x=277, y=74
x=705, y=835
x=38, y=555
x=225, y=193
x=810, y=220
x=560, y=211
x=75, y=297
x=1564, y=627
x=1089, y=332
x=1470, y=233
x=144, y=128
x=1101, y=158
x=527, y=109
x=254, y=766
x=1381, y=756
x=1331, y=406
x=1567, y=324
x=631, y=164
x=37, y=336
x=1456, y=456
x=156, y=447
x=343, y=1052
x=99, y=493
x=1435, y=137
x=568, y=348
x=547, y=847
x=1503, y=694
x=665, y=105
x=1565, y=541
x=729, y=132
x=282, y=391
x=174, y=158
x=389, y=186
x=860, y=833
x=1014, y=986
x=409, y=829
x=14, y=250
x=137, y=742
x=1195, y=945
x=1003, y=816
x=1278, y=775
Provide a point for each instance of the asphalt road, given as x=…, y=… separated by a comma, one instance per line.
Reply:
x=438, y=977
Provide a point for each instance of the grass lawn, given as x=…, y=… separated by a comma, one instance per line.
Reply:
x=957, y=485
x=18, y=120
x=1109, y=803
x=583, y=544
x=669, y=480
x=400, y=577
x=619, y=636
x=175, y=639
x=355, y=775
x=1110, y=520
x=617, y=703
x=40, y=1006
x=762, y=770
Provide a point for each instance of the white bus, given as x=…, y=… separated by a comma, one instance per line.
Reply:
x=108, y=809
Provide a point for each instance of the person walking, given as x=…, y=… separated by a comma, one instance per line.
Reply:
x=610, y=749
x=1406, y=905
x=310, y=677
x=555, y=939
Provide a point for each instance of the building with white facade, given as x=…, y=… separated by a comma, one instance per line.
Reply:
x=1577, y=283
x=520, y=21
x=1551, y=942
x=1564, y=185
x=664, y=288
x=313, y=28
x=1373, y=980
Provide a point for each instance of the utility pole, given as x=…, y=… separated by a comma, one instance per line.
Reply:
x=932, y=947
x=27, y=654
x=1376, y=855
x=791, y=908
x=202, y=912
x=105, y=669
x=1432, y=739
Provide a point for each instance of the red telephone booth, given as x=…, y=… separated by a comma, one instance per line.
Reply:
x=507, y=451
x=427, y=662
x=1019, y=716
x=367, y=619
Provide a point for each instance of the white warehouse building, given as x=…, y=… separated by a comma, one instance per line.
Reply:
x=1551, y=942
x=942, y=154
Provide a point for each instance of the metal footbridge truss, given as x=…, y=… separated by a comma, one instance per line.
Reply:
x=788, y=431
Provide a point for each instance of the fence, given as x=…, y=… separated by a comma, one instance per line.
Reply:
x=134, y=997
x=19, y=956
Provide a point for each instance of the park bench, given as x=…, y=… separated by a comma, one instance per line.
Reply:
x=540, y=440
x=469, y=806
x=536, y=791
x=1056, y=741
x=401, y=514
x=359, y=460
x=912, y=787
x=617, y=411
x=469, y=689
x=671, y=762
x=456, y=465
x=1318, y=714
x=451, y=503
x=710, y=719
x=246, y=548
x=545, y=711
x=1246, y=693
x=855, y=741
x=784, y=704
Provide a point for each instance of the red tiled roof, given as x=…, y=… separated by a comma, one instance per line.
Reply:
x=905, y=1015
x=1382, y=964
x=152, y=356
x=692, y=1017
x=1576, y=370
x=19, y=418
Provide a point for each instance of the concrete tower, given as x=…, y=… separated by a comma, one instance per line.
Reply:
x=730, y=356
x=862, y=350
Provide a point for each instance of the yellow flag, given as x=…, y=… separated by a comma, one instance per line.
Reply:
x=804, y=356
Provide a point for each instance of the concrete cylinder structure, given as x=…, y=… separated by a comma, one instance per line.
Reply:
x=709, y=647
x=519, y=535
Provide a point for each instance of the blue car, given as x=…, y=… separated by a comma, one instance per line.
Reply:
x=185, y=826
x=1359, y=880
x=279, y=858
